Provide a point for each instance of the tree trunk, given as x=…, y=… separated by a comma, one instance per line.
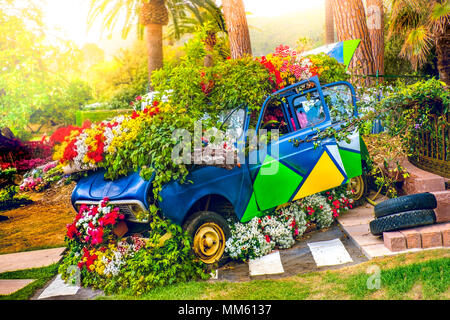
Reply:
x=329, y=22
x=443, y=55
x=154, y=38
x=237, y=27
x=208, y=61
x=350, y=19
x=375, y=24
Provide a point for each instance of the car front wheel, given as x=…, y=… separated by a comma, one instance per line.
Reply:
x=210, y=232
x=360, y=189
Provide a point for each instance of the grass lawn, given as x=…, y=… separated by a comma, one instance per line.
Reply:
x=423, y=275
x=41, y=276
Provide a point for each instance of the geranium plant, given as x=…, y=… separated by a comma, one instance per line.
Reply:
x=93, y=225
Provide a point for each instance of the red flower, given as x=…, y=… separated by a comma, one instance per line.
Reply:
x=97, y=236
x=70, y=153
x=336, y=204
x=71, y=230
x=267, y=238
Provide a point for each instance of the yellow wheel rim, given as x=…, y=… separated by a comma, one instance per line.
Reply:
x=357, y=185
x=209, y=243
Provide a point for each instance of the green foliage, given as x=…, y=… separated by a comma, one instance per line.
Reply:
x=38, y=81
x=60, y=106
x=151, y=151
x=7, y=175
x=418, y=24
x=182, y=15
x=329, y=68
x=157, y=265
x=10, y=193
x=166, y=259
x=228, y=84
x=241, y=82
x=120, y=81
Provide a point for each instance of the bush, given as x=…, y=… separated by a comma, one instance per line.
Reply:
x=133, y=265
x=330, y=69
x=95, y=116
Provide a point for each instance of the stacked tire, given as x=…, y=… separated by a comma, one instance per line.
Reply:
x=403, y=213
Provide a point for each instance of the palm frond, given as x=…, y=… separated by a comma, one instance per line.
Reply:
x=417, y=46
x=440, y=17
x=125, y=13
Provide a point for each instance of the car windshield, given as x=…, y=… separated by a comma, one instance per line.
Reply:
x=233, y=121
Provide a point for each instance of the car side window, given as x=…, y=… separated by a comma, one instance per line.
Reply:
x=309, y=110
x=339, y=99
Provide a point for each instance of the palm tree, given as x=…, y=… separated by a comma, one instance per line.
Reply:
x=423, y=24
x=236, y=21
x=153, y=15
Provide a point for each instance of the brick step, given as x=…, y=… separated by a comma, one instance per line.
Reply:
x=443, y=209
x=436, y=235
x=421, y=181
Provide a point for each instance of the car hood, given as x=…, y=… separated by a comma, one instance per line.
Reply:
x=95, y=187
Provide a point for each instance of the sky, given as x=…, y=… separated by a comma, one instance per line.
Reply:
x=67, y=18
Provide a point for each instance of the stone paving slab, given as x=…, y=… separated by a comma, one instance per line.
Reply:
x=29, y=259
x=329, y=253
x=269, y=264
x=10, y=286
x=59, y=288
x=364, y=217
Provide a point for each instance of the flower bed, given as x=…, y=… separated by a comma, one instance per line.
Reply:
x=260, y=236
x=98, y=258
x=24, y=156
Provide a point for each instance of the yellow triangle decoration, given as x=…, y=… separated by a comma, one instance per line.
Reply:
x=324, y=176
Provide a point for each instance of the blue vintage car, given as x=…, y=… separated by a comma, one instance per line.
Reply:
x=302, y=168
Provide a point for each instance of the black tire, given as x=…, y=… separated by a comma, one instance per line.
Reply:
x=403, y=220
x=420, y=201
x=197, y=220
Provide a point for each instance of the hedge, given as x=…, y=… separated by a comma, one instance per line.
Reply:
x=98, y=115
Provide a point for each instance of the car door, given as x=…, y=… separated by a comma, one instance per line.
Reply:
x=292, y=168
x=340, y=98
